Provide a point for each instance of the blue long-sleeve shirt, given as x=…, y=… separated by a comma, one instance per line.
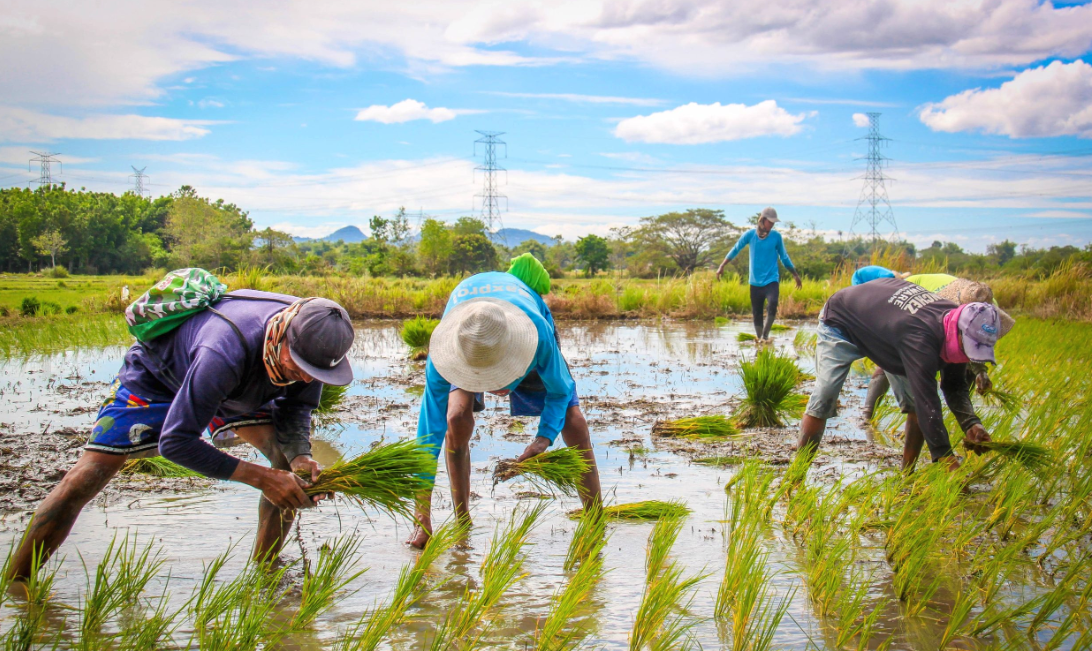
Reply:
x=548, y=362
x=201, y=369
x=762, y=268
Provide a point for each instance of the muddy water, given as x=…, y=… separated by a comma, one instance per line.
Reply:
x=628, y=376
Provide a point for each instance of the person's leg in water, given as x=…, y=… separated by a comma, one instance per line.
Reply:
x=56, y=515
x=877, y=387
x=460, y=427
x=576, y=435
x=274, y=524
x=834, y=355
x=772, y=293
x=757, y=298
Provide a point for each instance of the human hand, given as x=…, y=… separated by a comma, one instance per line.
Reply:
x=983, y=383
x=720, y=272
x=799, y=282
x=284, y=489
x=304, y=464
x=537, y=447
x=977, y=434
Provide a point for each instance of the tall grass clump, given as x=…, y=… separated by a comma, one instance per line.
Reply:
x=560, y=469
x=417, y=332
x=27, y=338
x=770, y=381
x=471, y=618
x=374, y=626
x=661, y=622
x=156, y=467
x=696, y=427
x=647, y=510
x=388, y=477
x=332, y=573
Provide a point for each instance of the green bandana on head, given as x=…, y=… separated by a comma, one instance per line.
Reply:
x=528, y=269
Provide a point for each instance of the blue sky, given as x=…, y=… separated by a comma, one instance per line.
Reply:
x=313, y=117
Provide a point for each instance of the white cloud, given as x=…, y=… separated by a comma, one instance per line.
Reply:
x=210, y=103
x=23, y=125
x=1060, y=214
x=631, y=157
x=1054, y=100
x=404, y=111
x=693, y=124
x=860, y=120
x=21, y=156
x=313, y=231
x=586, y=99
x=105, y=53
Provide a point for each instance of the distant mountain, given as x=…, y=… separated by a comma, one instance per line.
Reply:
x=512, y=237
x=348, y=234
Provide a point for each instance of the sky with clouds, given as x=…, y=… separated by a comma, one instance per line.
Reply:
x=315, y=116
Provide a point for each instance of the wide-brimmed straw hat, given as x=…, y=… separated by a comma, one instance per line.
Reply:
x=962, y=291
x=484, y=344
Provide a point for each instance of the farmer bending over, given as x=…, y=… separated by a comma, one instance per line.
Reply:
x=957, y=290
x=498, y=336
x=913, y=334
x=255, y=366
x=763, y=273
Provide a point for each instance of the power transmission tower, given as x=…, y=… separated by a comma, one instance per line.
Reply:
x=491, y=212
x=873, y=208
x=46, y=160
x=138, y=177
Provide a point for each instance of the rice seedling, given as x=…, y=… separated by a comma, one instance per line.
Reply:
x=744, y=337
x=851, y=619
x=720, y=321
x=780, y=327
x=5, y=569
x=38, y=587
x=1036, y=458
x=388, y=477
x=769, y=380
x=416, y=333
x=588, y=538
x=500, y=569
x=1009, y=401
x=646, y=510
x=561, y=469
x=235, y=615
x=721, y=461
x=697, y=427
x=804, y=341
x=329, y=402
x=551, y=635
x=667, y=591
x=119, y=580
x=332, y=574
x=373, y=627
x=156, y=467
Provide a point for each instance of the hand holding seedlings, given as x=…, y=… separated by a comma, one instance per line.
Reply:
x=537, y=447
x=975, y=435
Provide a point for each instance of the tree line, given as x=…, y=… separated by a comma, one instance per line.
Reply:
x=103, y=233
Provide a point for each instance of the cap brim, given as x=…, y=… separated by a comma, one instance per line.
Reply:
x=338, y=375
x=977, y=352
x=444, y=350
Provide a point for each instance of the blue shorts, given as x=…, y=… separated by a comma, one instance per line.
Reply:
x=524, y=401
x=129, y=424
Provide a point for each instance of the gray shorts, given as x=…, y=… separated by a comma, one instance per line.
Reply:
x=834, y=354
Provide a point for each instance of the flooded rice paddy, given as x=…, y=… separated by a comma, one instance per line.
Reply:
x=629, y=375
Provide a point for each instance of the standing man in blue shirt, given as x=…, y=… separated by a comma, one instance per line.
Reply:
x=496, y=336
x=763, y=273
x=254, y=365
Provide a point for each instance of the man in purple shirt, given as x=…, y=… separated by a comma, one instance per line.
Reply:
x=254, y=364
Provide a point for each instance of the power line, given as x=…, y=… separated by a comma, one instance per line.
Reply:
x=138, y=177
x=491, y=212
x=46, y=160
x=873, y=208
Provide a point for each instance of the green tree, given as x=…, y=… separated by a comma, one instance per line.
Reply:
x=50, y=243
x=594, y=252
x=534, y=247
x=274, y=249
x=206, y=234
x=472, y=253
x=1003, y=251
x=688, y=238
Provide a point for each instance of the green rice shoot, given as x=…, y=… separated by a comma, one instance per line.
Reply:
x=721, y=461
x=648, y=510
x=780, y=327
x=697, y=427
x=561, y=469
x=743, y=337
x=416, y=333
x=769, y=380
x=157, y=467
x=1036, y=458
x=388, y=477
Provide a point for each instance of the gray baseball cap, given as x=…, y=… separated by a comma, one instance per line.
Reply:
x=980, y=327
x=319, y=338
x=769, y=214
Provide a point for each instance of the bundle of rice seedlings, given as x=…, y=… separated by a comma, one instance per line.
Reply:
x=1005, y=400
x=562, y=469
x=388, y=477
x=156, y=467
x=804, y=341
x=745, y=336
x=647, y=510
x=417, y=332
x=372, y=628
x=332, y=573
x=769, y=380
x=780, y=327
x=588, y=538
x=1036, y=458
x=720, y=320
x=329, y=401
x=720, y=461
x=697, y=427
